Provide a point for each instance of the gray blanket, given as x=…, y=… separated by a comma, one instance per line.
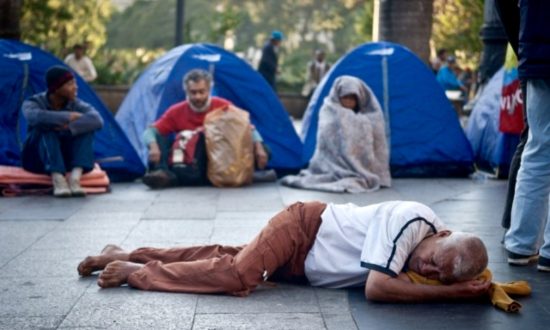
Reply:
x=351, y=154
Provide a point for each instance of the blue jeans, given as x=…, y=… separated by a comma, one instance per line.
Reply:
x=48, y=151
x=529, y=232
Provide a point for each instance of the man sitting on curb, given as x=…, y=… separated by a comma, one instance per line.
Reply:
x=60, y=133
x=186, y=116
x=326, y=245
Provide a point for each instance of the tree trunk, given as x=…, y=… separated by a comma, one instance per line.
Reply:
x=10, y=14
x=406, y=22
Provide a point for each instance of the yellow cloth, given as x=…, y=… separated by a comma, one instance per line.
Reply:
x=498, y=292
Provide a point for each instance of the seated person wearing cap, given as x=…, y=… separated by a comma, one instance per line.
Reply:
x=60, y=133
x=187, y=115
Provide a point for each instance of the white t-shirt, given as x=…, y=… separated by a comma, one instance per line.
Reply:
x=84, y=67
x=353, y=240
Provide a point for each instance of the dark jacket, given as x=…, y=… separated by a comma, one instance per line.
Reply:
x=39, y=114
x=508, y=11
x=268, y=63
x=534, y=39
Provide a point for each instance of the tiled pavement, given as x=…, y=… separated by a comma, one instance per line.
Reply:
x=42, y=239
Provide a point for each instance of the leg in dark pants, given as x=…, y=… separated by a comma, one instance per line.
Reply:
x=48, y=151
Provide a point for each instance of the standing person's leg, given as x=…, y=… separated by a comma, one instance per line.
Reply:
x=283, y=243
x=530, y=206
x=515, y=163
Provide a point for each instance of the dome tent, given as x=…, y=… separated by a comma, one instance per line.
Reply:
x=23, y=69
x=493, y=149
x=160, y=86
x=423, y=130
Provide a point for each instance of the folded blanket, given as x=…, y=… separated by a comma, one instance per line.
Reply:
x=352, y=153
x=498, y=292
x=16, y=181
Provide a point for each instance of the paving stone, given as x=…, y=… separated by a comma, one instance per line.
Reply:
x=281, y=299
x=312, y=321
x=111, y=206
x=125, y=308
x=264, y=197
x=80, y=240
x=292, y=195
x=44, y=208
x=235, y=235
x=180, y=210
x=24, y=323
x=188, y=194
x=170, y=230
x=45, y=297
x=34, y=266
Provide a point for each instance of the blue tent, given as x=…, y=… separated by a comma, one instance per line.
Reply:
x=421, y=126
x=23, y=68
x=160, y=86
x=493, y=149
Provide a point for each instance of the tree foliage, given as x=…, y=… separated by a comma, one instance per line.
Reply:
x=457, y=24
x=336, y=26
x=58, y=24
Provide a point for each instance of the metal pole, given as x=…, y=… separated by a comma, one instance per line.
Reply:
x=494, y=42
x=180, y=17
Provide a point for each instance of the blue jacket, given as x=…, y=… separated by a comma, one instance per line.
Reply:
x=534, y=39
x=447, y=78
x=39, y=114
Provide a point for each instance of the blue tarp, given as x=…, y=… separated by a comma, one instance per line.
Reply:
x=160, y=86
x=422, y=127
x=493, y=149
x=23, y=68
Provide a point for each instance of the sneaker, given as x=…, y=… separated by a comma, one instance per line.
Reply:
x=60, y=186
x=158, y=179
x=76, y=188
x=521, y=259
x=544, y=264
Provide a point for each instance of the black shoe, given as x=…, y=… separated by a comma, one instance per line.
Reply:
x=158, y=179
x=544, y=264
x=521, y=259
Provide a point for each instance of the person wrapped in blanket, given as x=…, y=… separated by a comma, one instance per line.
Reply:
x=351, y=154
x=182, y=161
x=60, y=133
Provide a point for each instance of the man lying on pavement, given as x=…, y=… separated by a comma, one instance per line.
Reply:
x=325, y=245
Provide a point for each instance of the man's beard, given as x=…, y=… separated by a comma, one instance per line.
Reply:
x=200, y=109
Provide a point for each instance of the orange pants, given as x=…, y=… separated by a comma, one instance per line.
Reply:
x=278, y=253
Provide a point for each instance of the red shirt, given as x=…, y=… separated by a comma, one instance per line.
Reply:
x=181, y=117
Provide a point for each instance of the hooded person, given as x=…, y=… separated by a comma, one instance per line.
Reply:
x=351, y=154
x=60, y=133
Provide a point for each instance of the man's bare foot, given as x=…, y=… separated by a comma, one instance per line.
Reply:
x=109, y=253
x=116, y=273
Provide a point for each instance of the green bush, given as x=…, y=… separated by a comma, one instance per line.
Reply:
x=122, y=66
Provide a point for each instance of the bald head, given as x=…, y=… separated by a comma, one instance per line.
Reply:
x=467, y=254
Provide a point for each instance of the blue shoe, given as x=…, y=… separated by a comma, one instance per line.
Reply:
x=521, y=259
x=544, y=264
